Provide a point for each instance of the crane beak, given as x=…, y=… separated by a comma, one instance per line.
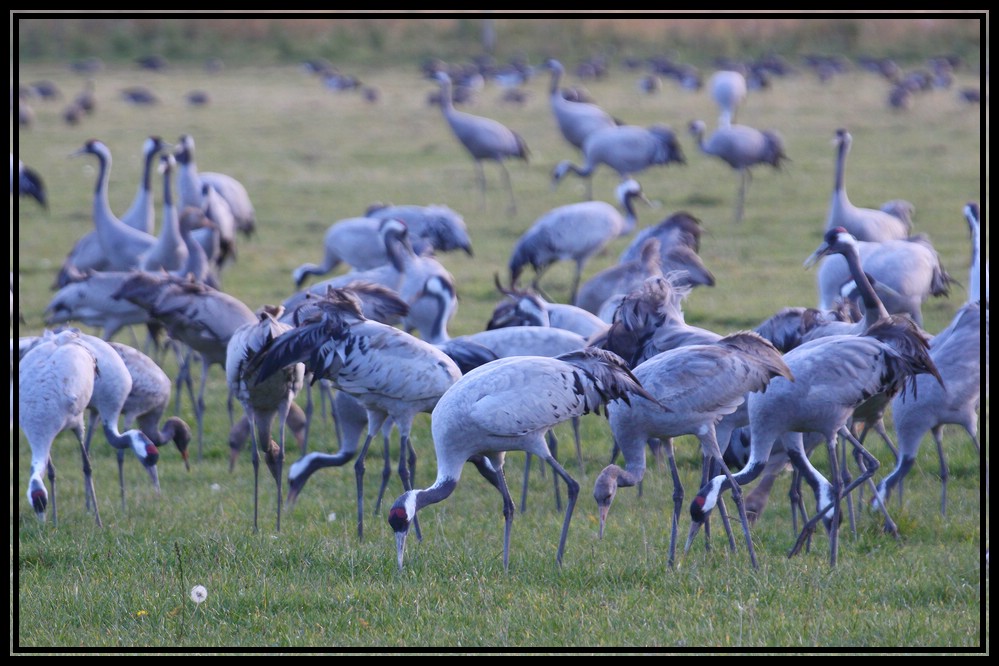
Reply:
x=155, y=476
x=814, y=257
x=694, y=529
x=186, y=457
x=603, y=510
x=400, y=547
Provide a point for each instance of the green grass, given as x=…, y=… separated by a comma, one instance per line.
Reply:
x=310, y=157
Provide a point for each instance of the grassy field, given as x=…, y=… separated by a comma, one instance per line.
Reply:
x=310, y=156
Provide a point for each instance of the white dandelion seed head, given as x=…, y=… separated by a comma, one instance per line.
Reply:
x=216, y=487
x=198, y=594
x=331, y=517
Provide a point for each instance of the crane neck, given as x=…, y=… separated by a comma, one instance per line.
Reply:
x=874, y=309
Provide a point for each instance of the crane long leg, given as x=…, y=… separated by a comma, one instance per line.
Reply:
x=512, y=209
x=508, y=511
x=573, y=492
x=88, y=481
x=50, y=468
x=667, y=445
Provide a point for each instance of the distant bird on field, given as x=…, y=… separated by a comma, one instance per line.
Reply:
x=29, y=183
x=627, y=149
x=487, y=413
x=576, y=120
x=728, y=90
x=741, y=147
x=483, y=138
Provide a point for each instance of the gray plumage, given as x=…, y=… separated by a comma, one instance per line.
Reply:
x=576, y=120
x=832, y=377
x=406, y=273
x=972, y=215
x=263, y=400
x=699, y=384
x=392, y=373
x=432, y=228
x=526, y=308
x=195, y=314
x=122, y=245
x=232, y=191
x=87, y=253
x=88, y=301
x=29, y=183
x=358, y=242
x=957, y=353
x=866, y=224
x=620, y=278
x=728, y=90
x=627, y=149
x=679, y=228
x=483, y=138
x=576, y=232
x=147, y=402
x=741, y=147
x=487, y=413
x=170, y=252
x=910, y=269
x=55, y=384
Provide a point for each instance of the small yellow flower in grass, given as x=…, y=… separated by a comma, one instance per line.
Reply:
x=198, y=594
x=141, y=613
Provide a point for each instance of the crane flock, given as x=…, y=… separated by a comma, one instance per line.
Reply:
x=619, y=342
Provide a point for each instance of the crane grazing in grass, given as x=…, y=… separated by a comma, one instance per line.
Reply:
x=487, y=413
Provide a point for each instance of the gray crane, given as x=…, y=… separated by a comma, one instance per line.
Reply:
x=627, y=149
x=29, y=183
x=263, y=400
x=147, y=403
x=523, y=340
x=87, y=253
x=232, y=191
x=619, y=279
x=55, y=384
x=112, y=387
x=358, y=242
x=487, y=413
x=741, y=147
x=406, y=273
x=728, y=90
x=527, y=308
x=432, y=228
x=170, y=253
x=122, y=245
x=88, y=301
x=392, y=373
x=866, y=224
x=195, y=314
x=957, y=353
x=975, y=277
x=484, y=139
x=832, y=377
x=699, y=384
x=576, y=120
x=908, y=272
x=575, y=232
x=679, y=228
